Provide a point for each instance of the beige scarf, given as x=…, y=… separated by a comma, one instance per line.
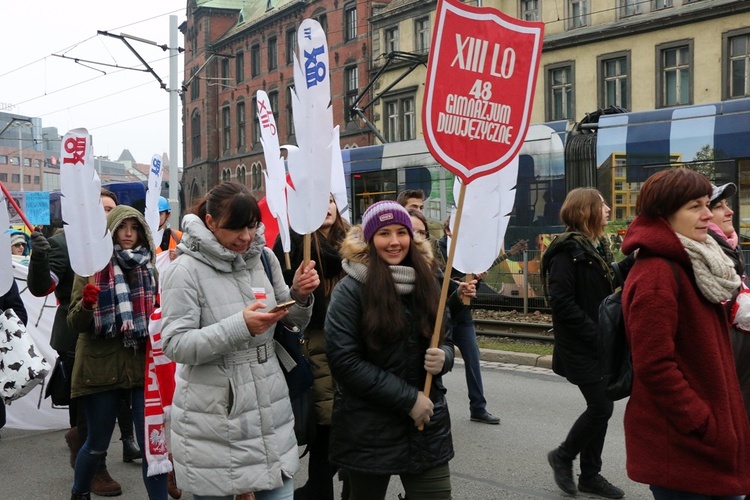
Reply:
x=403, y=276
x=714, y=271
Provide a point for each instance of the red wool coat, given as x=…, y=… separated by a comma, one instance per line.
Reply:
x=685, y=424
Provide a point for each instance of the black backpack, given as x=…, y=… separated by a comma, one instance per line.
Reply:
x=614, y=350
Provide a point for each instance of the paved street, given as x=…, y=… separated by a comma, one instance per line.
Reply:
x=492, y=462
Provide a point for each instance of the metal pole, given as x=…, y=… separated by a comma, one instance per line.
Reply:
x=174, y=173
x=20, y=154
x=525, y=282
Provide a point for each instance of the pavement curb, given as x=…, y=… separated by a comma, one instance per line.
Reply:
x=514, y=358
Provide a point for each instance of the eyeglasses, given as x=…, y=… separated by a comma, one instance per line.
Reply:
x=22, y=245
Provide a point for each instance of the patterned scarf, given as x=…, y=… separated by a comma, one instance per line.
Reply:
x=125, y=302
x=714, y=271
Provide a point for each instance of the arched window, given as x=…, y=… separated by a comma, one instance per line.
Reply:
x=256, y=176
x=241, y=171
x=226, y=175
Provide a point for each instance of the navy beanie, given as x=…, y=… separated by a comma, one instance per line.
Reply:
x=384, y=213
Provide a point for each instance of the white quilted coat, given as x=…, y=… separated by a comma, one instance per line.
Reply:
x=232, y=423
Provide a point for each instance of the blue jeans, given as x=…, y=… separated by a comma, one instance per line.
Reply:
x=465, y=338
x=286, y=492
x=667, y=494
x=101, y=413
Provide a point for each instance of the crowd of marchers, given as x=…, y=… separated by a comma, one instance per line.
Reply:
x=367, y=302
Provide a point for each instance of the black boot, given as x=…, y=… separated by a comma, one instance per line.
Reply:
x=80, y=496
x=130, y=450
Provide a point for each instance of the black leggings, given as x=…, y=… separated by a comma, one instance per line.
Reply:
x=586, y=437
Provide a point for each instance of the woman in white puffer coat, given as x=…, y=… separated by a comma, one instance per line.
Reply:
x=232, y=422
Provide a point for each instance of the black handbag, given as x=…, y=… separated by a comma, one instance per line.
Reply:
x=58, y=384
x=297, y=369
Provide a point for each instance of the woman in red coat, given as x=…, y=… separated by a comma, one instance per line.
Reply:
x=686, y=432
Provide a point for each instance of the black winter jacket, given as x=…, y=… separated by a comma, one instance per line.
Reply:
x=371, y=430
x=578, y=279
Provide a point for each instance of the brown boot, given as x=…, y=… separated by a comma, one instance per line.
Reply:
x=172, y=488
x=71, y=438
x=103, y=485
x=245, y=496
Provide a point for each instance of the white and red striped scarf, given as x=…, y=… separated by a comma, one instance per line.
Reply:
x=158, y=392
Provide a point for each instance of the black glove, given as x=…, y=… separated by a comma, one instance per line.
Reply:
x=39, y=245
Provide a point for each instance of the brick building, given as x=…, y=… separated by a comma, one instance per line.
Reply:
x=235, y=48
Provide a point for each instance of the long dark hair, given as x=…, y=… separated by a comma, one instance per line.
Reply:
x=380, y=300
x=230, y=204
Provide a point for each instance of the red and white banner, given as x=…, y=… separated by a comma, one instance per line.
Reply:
x=480, y=87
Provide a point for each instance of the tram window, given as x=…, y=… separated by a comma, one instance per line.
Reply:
x=371, y=187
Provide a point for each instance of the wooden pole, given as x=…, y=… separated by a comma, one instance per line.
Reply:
x=435, y=340
x=466, y=299
x=306, y=243
x=287, y=261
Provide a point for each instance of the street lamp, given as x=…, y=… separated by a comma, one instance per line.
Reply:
x=18, y=123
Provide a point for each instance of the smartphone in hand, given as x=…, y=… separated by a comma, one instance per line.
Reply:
x=282, y=306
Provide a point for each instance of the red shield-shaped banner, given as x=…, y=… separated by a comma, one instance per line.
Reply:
x=480, y=86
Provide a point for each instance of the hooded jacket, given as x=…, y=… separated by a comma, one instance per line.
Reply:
x=104, y=364
x=371, y=430
x=232, y=421
x=685, y=425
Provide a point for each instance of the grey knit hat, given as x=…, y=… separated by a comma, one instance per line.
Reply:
x=384, y=213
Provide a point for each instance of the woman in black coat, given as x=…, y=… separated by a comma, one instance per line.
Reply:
x=378, y=331
x=579, y=275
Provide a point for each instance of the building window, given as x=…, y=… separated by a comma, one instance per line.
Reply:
x=225, y=71
x=530, y=10
x=241, y=173
x=630, y=7
x=241, y=134
x=422, y=35
x=739, y=65
x=289, y=111
x=15, y=178
x=36, y=179
x=226, y=175
x=4, y=159
x=37, y=163
x=291, y=45
x=660, y=4
x=400, y=122
x=239, y=67
x=3, y=177
x=614, y=80
x=391, y=40
x=675, y=75
x=226, y=128
x=195, y=134
x=273, y=101
x=323, y=21
x=27, y=162
x=195, y=85
x=255, y=60
x=560, y=92
x=256, y=177
x=578, y=11
x=273, y=54
x=256, y=122
x=351, y=87
x=15, y=160
x=350, y=22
